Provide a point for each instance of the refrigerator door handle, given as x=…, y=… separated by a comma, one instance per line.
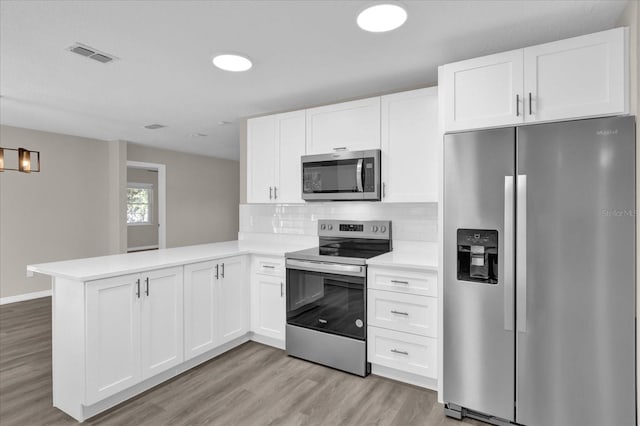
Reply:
x=508, y=252
x=521, y=251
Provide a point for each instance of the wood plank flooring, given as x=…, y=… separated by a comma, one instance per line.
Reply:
x=250, y=385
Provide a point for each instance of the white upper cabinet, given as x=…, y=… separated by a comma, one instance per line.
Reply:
x=410, y=146
x=275, y=144
x=261, y=159
x=578, y=77
x=483, y=92
x=351, y=126
x=290, y=137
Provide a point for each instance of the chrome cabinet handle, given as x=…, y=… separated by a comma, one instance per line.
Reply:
x=400, y=313
x=517, y=105
x=268, y=266
x=530, y=109
x=147, y=290
x=138, y=289
x=270, y=193
x=384, y=189
x=340, y=148
x=400, y=282
x=395, y=351
x=508, y=248
x=281, y=289
x=322, y=321
x=275, y=192
x=217, y=274
x=222, y=272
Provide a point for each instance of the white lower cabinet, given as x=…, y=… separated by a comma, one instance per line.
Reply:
x=403, y=351
x=268, y=298
x=133, y=329
x=215, y=308
x=402, y=317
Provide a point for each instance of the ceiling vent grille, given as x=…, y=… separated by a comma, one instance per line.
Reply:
x=91, y=53
x=154, y=126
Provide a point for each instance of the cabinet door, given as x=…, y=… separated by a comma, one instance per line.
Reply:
x=113, y=336
x=233, y=318
x=161, y=320
x=348, y=126
x=270, y=318
x=410, y=146
x=483, y=92
x=578, y=77
x=261, y=159
x=291, y=135
x=200, y=334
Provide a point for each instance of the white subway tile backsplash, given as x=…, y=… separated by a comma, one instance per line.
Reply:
x=410, y=221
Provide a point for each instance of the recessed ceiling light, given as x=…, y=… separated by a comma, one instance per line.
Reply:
x=232, y=62
x=154, y=126
x=380, y=18
x=197, y=135
x=223, y=123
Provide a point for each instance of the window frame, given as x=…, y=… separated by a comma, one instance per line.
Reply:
x=149, y=187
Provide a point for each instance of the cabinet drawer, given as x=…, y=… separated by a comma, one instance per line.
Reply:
x=402, y=351
x=268, y=265
x=419, y=283
x=403, y=312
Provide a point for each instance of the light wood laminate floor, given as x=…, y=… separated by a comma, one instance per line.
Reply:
x=251, y=385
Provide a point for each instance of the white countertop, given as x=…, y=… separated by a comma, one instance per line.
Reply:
x=94, y=268
x=422, y=256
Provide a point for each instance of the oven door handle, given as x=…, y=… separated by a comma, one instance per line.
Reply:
x=333, y=268
x=359, y=175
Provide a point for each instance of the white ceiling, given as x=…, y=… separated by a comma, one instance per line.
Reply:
x=305, y=53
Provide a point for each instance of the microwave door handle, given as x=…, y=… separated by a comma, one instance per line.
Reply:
x=359, y=175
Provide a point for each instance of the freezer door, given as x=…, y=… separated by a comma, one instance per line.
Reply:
x=479, y=343
x=575, y=273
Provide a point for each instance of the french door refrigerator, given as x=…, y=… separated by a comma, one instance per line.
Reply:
x=539, y=274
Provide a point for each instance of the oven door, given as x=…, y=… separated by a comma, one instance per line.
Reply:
x=341, y=176
x=328, y=302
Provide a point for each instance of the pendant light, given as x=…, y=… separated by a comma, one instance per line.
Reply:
x=27, y=161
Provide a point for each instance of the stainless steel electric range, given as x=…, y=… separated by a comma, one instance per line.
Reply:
x=327, y=294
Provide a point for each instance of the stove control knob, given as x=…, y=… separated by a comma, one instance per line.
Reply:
x=374, y=228
x=330, y=227
x=383, y=228
x=323, y=227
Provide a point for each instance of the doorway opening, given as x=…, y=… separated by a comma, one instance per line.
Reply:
x=146, y=206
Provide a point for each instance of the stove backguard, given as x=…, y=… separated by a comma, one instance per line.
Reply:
x=478, y=255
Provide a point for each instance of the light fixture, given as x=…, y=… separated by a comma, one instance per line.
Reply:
x=27, y=161
x=232, y=62
x=382, y=17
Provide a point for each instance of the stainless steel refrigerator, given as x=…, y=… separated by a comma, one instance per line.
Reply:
x=539, y=274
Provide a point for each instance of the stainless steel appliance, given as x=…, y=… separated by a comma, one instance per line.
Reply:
x=344, y=175
x=327, y=294
x=539, y=274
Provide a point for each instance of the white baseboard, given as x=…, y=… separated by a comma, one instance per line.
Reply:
x=23, y=297
x=142, y=248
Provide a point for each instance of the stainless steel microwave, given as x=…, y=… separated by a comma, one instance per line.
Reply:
x=341, y=176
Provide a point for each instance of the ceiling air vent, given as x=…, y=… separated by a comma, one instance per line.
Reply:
x=91, y=53
x=154, y=126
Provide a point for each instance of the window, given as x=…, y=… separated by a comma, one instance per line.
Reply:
x=139, y=203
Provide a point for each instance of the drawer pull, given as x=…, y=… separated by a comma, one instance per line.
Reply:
x=400, y=282
x=400, y=313
x=268, y=266
x=395, y=351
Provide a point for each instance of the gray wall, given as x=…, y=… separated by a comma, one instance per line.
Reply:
x=144, y=235
x=202, y=195
x=60, y=213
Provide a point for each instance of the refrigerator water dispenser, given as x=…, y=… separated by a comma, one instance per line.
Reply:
x=478, y=255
